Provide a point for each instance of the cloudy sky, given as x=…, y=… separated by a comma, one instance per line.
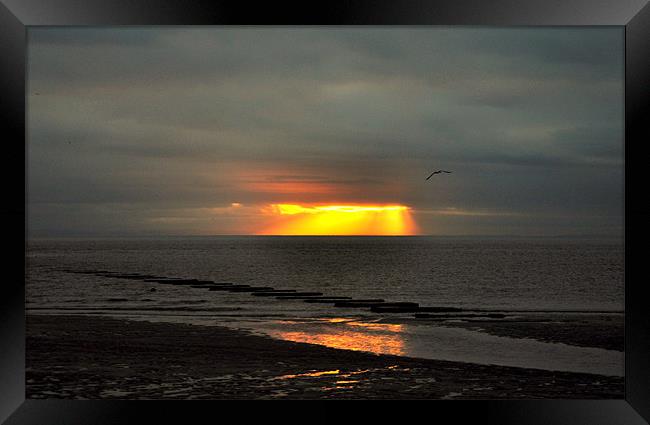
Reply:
x=173, y=131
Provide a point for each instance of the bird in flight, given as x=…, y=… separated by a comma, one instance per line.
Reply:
x=438, y=172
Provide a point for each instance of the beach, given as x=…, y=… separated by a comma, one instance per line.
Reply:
x=267, y=317
x=363, y=213
x=91, y=357
x=604, y=331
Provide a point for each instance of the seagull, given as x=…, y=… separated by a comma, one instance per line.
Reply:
x=438, y=172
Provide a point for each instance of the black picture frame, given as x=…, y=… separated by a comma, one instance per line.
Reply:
x=18, y=15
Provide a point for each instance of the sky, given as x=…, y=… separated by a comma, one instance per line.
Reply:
x=208, y=131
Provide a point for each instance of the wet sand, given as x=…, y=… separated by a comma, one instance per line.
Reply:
x=84, y=357
x=594, y=330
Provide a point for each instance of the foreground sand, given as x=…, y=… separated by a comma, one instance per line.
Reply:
x=95, y=357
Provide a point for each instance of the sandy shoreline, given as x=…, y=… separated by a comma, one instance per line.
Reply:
x=97, y=357
x=604, y=331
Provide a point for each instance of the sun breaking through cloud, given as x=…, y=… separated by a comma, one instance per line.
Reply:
x=193, y=131
x=294, y=219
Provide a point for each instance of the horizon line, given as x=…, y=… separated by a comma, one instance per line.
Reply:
x=327, y=236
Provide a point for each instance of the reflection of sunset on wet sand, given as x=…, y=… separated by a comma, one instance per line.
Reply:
x=379, y=338
x=332, y=380
x=310, y=374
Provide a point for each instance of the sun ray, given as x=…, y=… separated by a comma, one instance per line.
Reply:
x=335, y=219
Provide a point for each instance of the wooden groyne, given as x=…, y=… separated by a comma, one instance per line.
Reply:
x=374, y=305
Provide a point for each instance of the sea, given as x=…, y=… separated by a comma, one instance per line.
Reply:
x=514, y=276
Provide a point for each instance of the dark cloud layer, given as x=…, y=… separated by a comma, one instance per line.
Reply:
x=157, y=131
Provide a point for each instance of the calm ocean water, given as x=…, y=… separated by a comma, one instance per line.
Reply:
x=486, y=274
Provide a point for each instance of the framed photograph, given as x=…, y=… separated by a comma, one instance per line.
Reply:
x=436, y=201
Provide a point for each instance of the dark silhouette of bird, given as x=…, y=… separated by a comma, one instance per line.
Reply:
x=438, y=172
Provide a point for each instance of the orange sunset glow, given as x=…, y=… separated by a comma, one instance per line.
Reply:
x=335, y=219
x=378, y=338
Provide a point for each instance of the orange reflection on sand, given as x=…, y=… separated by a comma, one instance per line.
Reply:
x=378, y=343
x=388, y=327
x=337, y=320
x=310, y=374
x=294, y=219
